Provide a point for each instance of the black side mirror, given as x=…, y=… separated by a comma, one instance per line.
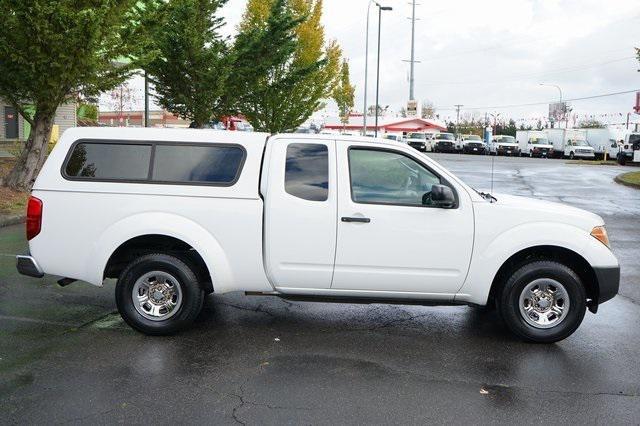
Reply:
x=442, y=196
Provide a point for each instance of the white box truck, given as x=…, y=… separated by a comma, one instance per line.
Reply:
x=570, y=143
x=601, y=140
x=534, y=143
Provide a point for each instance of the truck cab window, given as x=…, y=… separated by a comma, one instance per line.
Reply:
x=384, y=177
x=307, y=171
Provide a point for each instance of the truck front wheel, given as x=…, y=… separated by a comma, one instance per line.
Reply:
x=158, y=294
x=543, y=302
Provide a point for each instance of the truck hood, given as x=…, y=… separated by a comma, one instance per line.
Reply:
x=532, y=209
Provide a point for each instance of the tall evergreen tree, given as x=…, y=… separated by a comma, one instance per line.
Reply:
x=191, y=66
x=51, y=51
x=344, y=93
x=283, y=68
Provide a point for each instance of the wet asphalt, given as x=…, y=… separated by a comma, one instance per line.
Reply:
x=66, y=357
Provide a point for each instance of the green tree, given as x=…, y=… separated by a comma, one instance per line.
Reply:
x=344, y=93
x=51, y=51
x=282, y=67
x=191, y=63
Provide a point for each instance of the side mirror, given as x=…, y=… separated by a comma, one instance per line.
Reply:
x=614, y=145
x=442, y=196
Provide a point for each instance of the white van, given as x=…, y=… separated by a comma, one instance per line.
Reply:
x=176, y=214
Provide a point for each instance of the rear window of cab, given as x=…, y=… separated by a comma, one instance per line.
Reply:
x=155, y=162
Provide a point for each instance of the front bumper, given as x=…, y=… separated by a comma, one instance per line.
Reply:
x=27, y=265
x=508, y=151
x=608, y=282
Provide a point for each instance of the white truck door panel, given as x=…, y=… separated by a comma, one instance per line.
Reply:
x=300, y=213
x=404, y=246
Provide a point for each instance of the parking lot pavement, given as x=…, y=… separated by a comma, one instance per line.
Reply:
x=66, y=357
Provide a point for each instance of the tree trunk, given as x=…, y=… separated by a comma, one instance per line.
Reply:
x=24, y=173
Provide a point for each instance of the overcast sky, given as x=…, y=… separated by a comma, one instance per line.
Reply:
x=491, y=53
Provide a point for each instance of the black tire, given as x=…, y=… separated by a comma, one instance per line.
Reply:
x=509, y=301
x=192, y=294
x=571, y=155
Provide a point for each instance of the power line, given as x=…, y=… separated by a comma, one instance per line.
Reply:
x=542, y=103
x=540, y=74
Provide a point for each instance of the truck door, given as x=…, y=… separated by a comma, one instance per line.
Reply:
x=390, y=239
x=300, y=213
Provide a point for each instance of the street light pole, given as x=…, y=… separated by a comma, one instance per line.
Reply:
x=366, y=71
x=380, y=9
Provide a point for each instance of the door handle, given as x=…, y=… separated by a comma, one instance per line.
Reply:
x=356, y=219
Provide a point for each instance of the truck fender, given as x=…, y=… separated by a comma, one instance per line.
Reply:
x=157, y=223
x=489, y=256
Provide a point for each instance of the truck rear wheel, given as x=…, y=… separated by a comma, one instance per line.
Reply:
x=158, y=294
x=543, y=302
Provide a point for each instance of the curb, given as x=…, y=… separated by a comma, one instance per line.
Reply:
x=11, y=220
x=622, y=182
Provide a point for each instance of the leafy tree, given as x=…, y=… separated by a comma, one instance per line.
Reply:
x=191, y=65
x=343, y=93
x=51, y=51
x=88, y=111
x=591, y=124
x=282, y=68
x=428, y=110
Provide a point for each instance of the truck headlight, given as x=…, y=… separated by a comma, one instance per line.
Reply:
x=600, y=234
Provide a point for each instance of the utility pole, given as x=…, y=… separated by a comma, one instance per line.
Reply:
x=413, y=50
x=458, y=106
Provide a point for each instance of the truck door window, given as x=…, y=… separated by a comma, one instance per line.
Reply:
x=307, y=171
x=386, y=177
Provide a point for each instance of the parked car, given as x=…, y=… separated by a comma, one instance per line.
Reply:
x=444, y=142
x=504, y=145
x=173, y=215
x=534, y=143
x=420, y=141
x=570, y=143
x=473, y=144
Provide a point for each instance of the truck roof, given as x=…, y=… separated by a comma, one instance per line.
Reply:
x=164, y=134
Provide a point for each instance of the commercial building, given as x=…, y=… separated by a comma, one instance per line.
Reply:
x=13, y=127
x=386, y=125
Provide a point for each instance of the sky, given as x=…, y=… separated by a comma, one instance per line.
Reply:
x=490, y=54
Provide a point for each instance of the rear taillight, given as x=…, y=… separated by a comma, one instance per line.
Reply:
x=34, y=217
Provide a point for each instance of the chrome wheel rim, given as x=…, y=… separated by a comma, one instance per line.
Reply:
x=544, y=303
x=157, y=295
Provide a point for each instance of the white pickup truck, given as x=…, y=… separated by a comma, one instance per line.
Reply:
x=175, y=214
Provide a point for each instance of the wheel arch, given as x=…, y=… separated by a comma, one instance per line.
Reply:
x=556, y=253
x=158, y=243
x=167, y=230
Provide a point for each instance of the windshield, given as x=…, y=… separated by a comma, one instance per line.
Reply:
x=417, y=136
x=506, y=139
x=634, y=138
x=473, y=138
x=445, y=136
x=579, y=142
x=539, y=141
